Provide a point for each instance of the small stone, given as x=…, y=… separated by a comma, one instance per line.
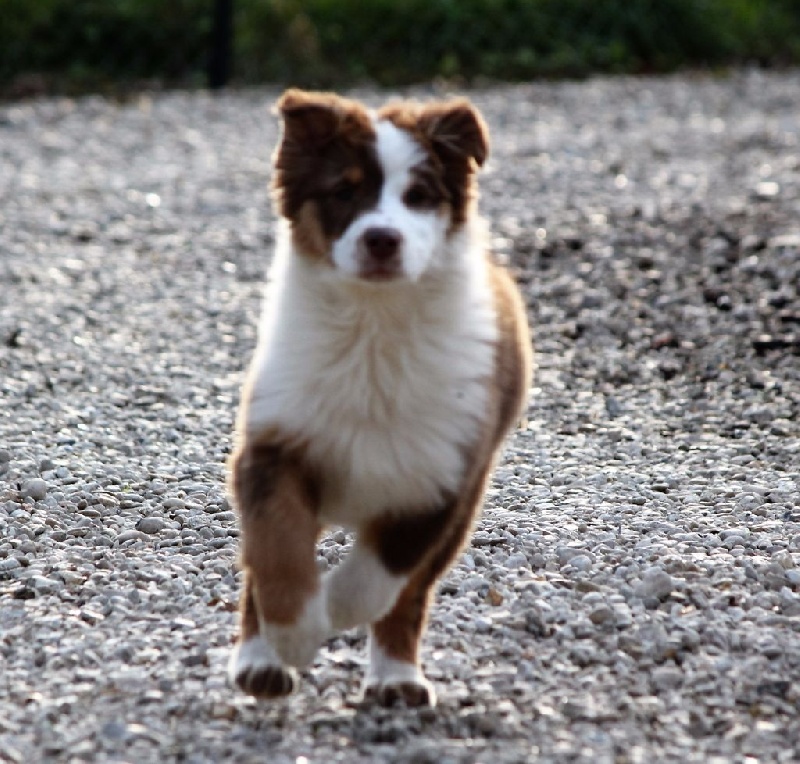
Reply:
x=130, y=535
x=740, y=532
x=771, y=650
x=583, y=628
x=151, y=525
x=581, y=562
x=667, y=677
x=35, y=489
x=622, y=616
x=584, y=585
x=582, y=654
x=538, y=561
x=784, y=559
x=733, y=541
x=199, y=658
x=767, y=190
x=44, y=585
x=655, y=583
x=601, y=614
x=114, y=730
x=494, y=597
x=90, y=616
x=793, y=577
x=566, y=553
x=516, y=560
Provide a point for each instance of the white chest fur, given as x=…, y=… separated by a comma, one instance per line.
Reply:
x=385, y=385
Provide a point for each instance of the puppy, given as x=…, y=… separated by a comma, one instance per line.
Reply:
x=393, y=358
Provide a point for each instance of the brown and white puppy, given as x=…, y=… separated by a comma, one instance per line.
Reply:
x=393, y=358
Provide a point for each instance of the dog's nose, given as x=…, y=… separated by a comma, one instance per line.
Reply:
x=382, y=244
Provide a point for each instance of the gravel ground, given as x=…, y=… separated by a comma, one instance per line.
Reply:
x=632, y=593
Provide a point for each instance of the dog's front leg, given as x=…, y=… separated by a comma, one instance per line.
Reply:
x=283, y=617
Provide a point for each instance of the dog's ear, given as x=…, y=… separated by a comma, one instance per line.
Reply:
x=456, y=131
x=309, y=119
x=312, y=120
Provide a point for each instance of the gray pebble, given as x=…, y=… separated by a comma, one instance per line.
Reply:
x=517, y=560
x=44, y=585
x=667, y=677
x=581, y=562
x=129, y=535
x=601, y=614
x=151, y=525
x=655, y=583
x=566, y=553
x=35, y=489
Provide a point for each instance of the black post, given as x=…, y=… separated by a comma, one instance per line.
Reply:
x=219, y=59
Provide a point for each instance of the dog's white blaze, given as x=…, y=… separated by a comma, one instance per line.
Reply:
x=422, y=230
x=386, y=383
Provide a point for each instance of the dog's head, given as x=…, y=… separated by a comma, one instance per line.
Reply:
x=375, y=196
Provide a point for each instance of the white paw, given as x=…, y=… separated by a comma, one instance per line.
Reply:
x=411, y=692
x=390, y=681
x=255, y=669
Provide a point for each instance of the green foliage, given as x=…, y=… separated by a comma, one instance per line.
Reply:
x=331, y=42
x=85, y=43
x=395, y=41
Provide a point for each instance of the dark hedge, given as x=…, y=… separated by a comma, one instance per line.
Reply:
x=86, y=44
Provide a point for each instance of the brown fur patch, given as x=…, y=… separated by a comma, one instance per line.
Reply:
x=399, y=632
x=402, y=540
x=427, y=189
x=307, y=232
x=456, y=139
x=513, y=352
x=277, y=498
x=248, y=616
x=326, y=170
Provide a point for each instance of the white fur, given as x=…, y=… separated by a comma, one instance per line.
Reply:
x=422, y=230
x=385, y=670
x=360, y=590
x=296, y=645
x=385, y=382
x=252, y=655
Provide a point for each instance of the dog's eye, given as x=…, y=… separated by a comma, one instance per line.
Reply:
x=344, y=191
x=419, y=196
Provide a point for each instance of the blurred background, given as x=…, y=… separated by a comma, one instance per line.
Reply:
x=73, y=46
